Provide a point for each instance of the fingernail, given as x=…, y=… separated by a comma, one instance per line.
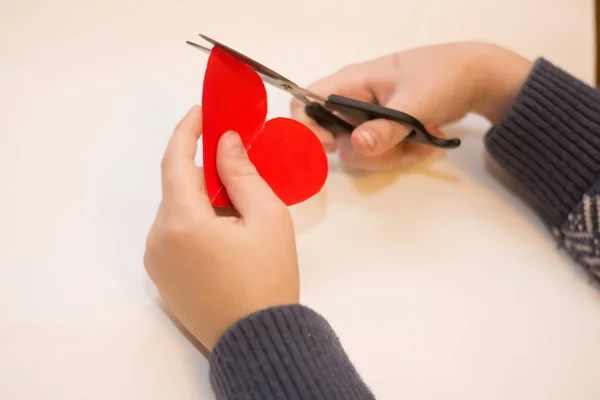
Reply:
x=368, y=138
x=233, y=144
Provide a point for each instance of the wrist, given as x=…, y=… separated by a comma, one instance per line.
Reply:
x=498, y=75
x=227, y=321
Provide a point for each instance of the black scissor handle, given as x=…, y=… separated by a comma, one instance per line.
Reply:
x=328, y=120
x=363, y=112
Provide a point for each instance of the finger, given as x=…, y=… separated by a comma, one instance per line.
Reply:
x=351, y=159
x=378, y=136
x=248, y=192
x=181, y=178
x=402, y=156
x=350, y=82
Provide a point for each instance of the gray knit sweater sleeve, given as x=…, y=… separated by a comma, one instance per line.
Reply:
x=549, y=141
x=287, y=352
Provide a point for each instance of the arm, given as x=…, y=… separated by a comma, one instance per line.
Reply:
x=549, y=141
x=286, y=352
x=547, y=132
x=238, y=298
x=547, y=137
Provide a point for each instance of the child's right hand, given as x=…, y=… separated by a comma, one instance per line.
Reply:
x=436, y=84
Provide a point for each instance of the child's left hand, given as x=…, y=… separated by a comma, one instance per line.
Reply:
x=212, y=271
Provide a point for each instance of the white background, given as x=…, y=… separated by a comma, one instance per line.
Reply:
x=439, y=280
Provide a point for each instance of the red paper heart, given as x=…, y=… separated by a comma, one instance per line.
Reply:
x=286, y=153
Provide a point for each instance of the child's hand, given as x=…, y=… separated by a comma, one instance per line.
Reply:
x=212, y=271
x=436, y=84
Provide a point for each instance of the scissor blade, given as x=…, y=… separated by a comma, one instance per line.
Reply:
x=197, y=46
x=267, y=74
x=281, y=84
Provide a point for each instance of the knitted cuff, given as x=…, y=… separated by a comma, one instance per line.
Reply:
x=550, y=139
x=287, y=352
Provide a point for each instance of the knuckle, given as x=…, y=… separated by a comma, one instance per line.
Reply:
x=279, y=211
x=196, y=109
x=295, y=104
x=332, y=82
x=388, y=130
x=148, y=264
x=396, y=60
x=388, y=127
x=194, y=112
x=269, y=206
x=151, y=244
x=150, y=253
x=164, y=163
x=348, y=69
x=178, y=232
x=244, y=169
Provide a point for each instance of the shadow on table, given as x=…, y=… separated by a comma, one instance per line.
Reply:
x=476, y=164
x=470, y=161
x=373, y=182
x=308, y=214
x=199, y=346
x=406, y=159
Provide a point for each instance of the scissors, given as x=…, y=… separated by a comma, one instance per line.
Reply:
x=321, y=109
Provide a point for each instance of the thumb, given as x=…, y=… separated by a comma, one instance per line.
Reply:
x=248, y=192
x=380, y=135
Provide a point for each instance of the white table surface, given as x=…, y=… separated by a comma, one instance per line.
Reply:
x=440, y=281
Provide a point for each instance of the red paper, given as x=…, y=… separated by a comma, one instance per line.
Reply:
x=286, y=153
